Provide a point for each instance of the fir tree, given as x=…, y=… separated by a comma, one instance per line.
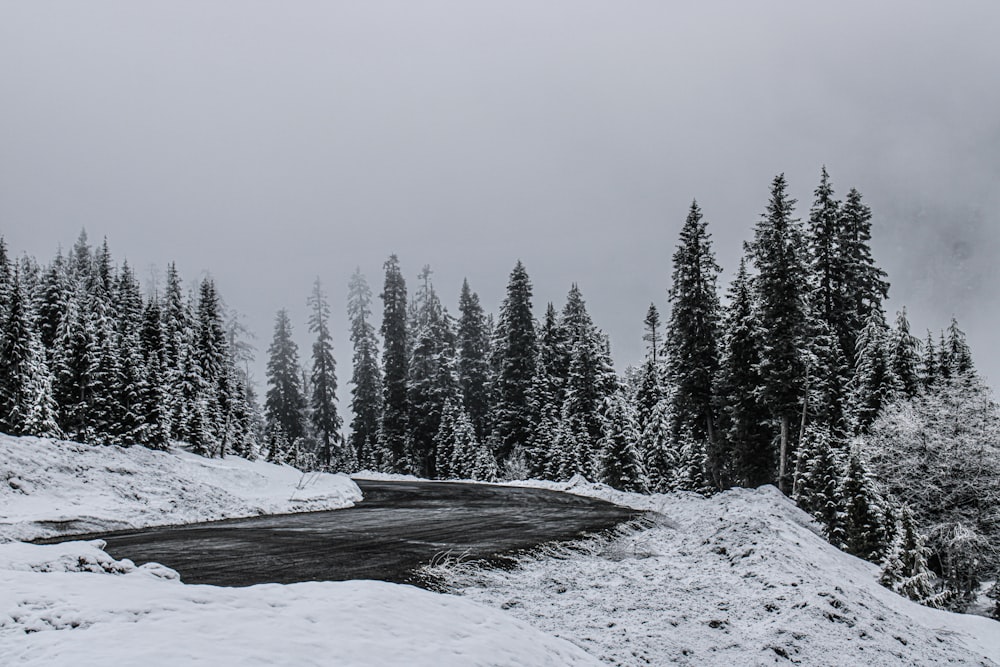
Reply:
x=958, y=354
x=652, y=333
x=929, y=363
x=904, y=356
x=621, y=464
x=395, y=411
x=155, y=430
x=366, y=378
x=473, y=361
x=548, y=391
x=285, y=403
x=323, y=399
x=515, y=365
x=656, y=448
x=817, y=487
x=874, y=384
x=781, y=287
x=905, y=569
x=692, y=335
x=650, y=388
x=749, y=444
x=864, y=533
x=864, y=284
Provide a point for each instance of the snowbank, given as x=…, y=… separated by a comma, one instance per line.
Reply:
x=50, y=488
x=72, y=604
x=740, y=578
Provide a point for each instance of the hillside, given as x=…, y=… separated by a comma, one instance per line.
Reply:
x=52, y=487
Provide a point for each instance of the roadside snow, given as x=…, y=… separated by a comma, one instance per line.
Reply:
x=72, y=604
x=740, y=578
x=50, y=488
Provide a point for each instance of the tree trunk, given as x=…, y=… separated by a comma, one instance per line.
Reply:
x=783, y=457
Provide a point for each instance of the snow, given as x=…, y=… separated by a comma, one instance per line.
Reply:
x=50, y=488
x=739, y=578
x=72, y=604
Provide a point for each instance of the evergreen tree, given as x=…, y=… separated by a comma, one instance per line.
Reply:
x=155, y=430
x=826, y=258
x=656, y=448
x=178, y=337
x=958, y=354
x=515, y=362
x=621, y=464
x=817, y=487
x=323, y=399
x=366, y=378
x=395, y=412
x=473, y=361
x=781, y=287
x=864, y=532
x=864, y=284
x=128, y=409
x=75, y=361
x=905, y=569
x=27, y=406
x=692, y=335
x=904, y=356
x=469, y=459
x=548, y=391
x=929, y=363
x=650, y=387
x=284, y=403
x=874, y=384
x=749, y=442
x=652, y=333
x=691, y=472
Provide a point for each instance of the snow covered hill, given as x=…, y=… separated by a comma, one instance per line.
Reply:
x=741, y=578
x=50, y=488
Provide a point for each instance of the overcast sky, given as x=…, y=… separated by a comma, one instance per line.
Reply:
x=271, y=142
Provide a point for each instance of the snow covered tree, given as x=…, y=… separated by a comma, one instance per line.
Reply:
x=473, y=359
x=650, y=386
x=864, y=283
x=957, y=354
x=692, y=335
x=748, y=439
x=366, y=378
x=817, y=488
x=904, y=356
x=155, y=429
x=874, y=384
x=27, y=406
x=905, y=569
x=864, y=528
x=621, y=464
x=395, y=402
x=323, y=416
x=656, y=448
x=781, y=287
x=212, y=359
x=515, y=360
x=284, y=404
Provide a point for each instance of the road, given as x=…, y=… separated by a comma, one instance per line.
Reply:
x=398, y=527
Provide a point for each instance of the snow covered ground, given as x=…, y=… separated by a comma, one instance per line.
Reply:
x=50, y=488
x=72, y=604
x=738, y=579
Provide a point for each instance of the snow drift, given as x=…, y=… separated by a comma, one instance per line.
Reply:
x=50, y=488
x=741, y=578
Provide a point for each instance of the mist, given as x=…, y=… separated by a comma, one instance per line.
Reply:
x=270, y=143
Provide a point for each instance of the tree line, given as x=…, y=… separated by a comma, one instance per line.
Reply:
x=786, y=381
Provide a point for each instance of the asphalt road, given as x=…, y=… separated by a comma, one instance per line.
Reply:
x=398, y=527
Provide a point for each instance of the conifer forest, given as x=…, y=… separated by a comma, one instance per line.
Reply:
x=793, y=375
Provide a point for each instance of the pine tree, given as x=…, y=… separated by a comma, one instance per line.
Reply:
x=864, y=284
x=652, y=333
x=692, y=335
x=128, y=418
x=395, y=411
x=749, y=442
x=904, y=356
x=285, y=403
x=905, y=569
x=366, y=378
x=74, y=362
x=929, y=363
x=817, y=487
x=656, y=448
x=473, y=362
x=826, y=258
x=781, y=287
x=958, y=354
x=178, y=338
x=864, y=532
x=515, y=362
x=155, y=430
x=323, y=399
x=621, y=464
x=27, y=406
x=691, y=472
x=874, y=384
x=548, y=391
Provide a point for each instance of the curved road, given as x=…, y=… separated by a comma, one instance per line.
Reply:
x=398, y=527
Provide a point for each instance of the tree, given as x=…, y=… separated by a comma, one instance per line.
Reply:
x=652, y=333
x=864, y=529
x=748, y=439
x=548, y=392
x=212, y=361
x=155, y=429
x=27, y=406
x=692, y=335
x=874, y=384
x=366, y=378
x=324, y=418
x=781, y=287
x=473, y=362
x=817, y=487
x=395, y=401
x=284, y=403
x=864, y=283
x=515, y=362
x=905, y=569
x=656, y=448
x=621, y=464
x=904, y=356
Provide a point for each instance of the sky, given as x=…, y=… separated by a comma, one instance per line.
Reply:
x=267, y=143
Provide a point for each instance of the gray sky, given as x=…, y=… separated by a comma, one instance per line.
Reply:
x=271, y=142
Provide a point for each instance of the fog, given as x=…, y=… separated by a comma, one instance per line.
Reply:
x=269, y=143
